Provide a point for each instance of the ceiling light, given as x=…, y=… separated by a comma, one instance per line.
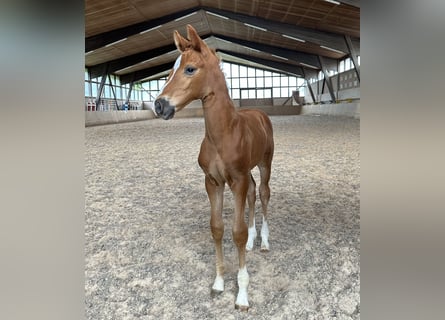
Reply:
x=255, y=27
x=332, y=1
x=217, y=15
x=327, y=48
x=279, y=57
x=145, y=61
x=186, y=16
x=151, y=29
x=293, y=38
x=115, y=42
x=124, y=68
x=308, y=65
x=252, y=49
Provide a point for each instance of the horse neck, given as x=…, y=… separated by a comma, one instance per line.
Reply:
x=219, y=111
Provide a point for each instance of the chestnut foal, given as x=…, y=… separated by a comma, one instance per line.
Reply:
x=234, y=143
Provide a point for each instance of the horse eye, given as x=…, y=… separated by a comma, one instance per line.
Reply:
x=190, y=70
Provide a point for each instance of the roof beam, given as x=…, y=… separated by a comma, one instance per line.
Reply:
x=124, y=62
x=100, y=40
x=121, y=63
x=296, y=56
x=145, y=73
x=142, y=74
x=353, y=3
x=285, y=67
x=332, y=40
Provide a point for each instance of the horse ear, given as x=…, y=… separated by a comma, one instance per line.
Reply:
x=197, y=43
x=180, y=42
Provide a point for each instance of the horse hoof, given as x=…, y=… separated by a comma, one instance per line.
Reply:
x=242, y=308
x=264, y=246
x=215, y=293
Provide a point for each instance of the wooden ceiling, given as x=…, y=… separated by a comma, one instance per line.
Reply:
x=134, y=39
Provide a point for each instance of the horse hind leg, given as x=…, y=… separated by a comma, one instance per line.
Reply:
x=264, y=197
x=251, y=197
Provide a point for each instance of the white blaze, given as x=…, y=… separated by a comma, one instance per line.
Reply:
x=175, y=67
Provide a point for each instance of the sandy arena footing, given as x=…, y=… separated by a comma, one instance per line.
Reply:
x=148, y=247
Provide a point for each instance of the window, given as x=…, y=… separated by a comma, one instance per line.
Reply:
x=226, y=69
x=348, y=64
x=108, y=92
x=260, y=82
x=87, y=89
x=341, y=67
x=243, y=82
x=243, y=71
x=94, y=89
x=276, y=92
x=235, y=71
x=251, y=82
x=284, y=81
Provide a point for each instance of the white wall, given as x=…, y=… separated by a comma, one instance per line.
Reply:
x=335, y=109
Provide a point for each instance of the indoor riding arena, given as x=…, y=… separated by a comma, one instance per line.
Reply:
x=149, y=250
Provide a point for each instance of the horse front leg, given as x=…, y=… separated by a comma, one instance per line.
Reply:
x=216, y=196
x=240, y=234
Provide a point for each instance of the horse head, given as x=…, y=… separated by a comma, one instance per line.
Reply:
x=190, y=77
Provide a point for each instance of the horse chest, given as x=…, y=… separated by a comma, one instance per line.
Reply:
x=214, y=167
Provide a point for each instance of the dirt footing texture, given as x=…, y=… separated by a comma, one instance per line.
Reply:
x=148, y=247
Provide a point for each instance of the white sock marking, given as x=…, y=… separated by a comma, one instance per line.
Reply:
x=251, y=238
x=218, y=285
x=264, y=235
x=243, y=282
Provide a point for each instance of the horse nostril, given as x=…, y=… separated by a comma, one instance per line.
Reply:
x=158, y=107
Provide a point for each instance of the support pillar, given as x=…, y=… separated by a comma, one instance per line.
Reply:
x=129, y=92
x=327, y=78
x=114, y=93
x=309, y=86
x=353, y=55
x=101, y=86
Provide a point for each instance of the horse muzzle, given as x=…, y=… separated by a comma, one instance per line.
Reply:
x=164, y=109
